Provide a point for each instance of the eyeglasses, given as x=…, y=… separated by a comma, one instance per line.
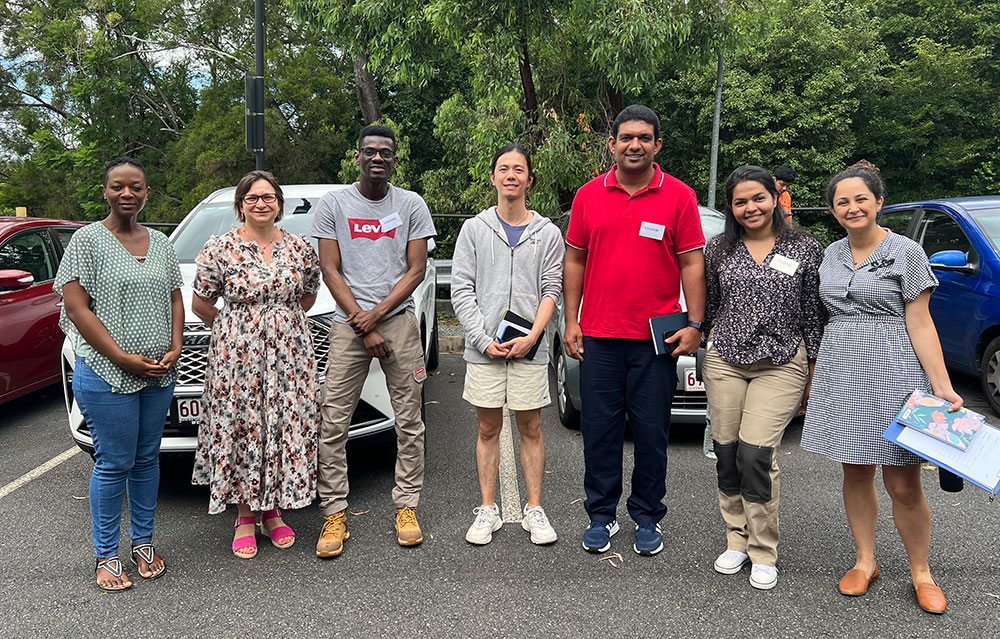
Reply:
x=386, y=154
x=269, y=198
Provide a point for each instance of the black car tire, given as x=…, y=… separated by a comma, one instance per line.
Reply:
x=989, y=374
x=569, y=415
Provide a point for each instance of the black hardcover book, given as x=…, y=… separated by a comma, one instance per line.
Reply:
x=662, y=327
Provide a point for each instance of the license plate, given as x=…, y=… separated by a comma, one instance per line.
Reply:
x=691, y=383
x=189, y=409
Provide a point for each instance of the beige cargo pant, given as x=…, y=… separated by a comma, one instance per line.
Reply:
x=346, y=371
x=751, y=404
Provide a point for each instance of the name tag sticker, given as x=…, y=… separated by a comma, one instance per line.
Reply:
x=652, y=231
x=390, y=222
x=784, y=264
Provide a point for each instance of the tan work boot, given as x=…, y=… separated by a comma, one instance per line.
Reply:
x=407, y=529
x=331, y=538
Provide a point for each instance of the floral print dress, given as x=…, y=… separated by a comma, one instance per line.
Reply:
x=260, y=410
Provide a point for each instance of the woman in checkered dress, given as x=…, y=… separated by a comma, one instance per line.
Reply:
x=879, y=346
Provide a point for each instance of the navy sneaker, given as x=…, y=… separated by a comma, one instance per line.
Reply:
x=597, y=537
x=648, y=539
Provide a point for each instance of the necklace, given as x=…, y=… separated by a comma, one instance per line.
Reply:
x=522, y=221
x=260, y=247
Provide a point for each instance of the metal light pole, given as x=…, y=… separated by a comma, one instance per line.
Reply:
x=258, y=18
x=713, y=170
x=255, y=90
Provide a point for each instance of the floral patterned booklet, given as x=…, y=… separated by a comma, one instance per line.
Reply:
x=929, y=415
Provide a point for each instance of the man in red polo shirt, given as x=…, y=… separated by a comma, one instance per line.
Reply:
x=634, y=237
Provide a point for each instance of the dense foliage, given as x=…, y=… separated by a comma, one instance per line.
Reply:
x=818, y=84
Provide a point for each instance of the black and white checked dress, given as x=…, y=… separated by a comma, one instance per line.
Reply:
x=866, y=367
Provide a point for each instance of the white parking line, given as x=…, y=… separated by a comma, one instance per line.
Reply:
x=510, y=498
x=38, y=472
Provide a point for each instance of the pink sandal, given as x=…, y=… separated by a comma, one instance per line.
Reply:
x=246, y=541
x=281, y=532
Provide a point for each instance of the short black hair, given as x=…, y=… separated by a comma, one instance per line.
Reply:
x=637, y=112
x=785, y=173
x=121, y=162
x=377, y=130
x=863, y=169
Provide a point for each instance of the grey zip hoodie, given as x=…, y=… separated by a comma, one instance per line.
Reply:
x=489, y=276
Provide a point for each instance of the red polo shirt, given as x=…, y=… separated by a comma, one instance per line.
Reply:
x=632, y=243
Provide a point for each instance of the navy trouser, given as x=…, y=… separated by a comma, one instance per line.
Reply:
x=619, y=376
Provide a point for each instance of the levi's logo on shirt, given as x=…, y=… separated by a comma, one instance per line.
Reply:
x=371, y=229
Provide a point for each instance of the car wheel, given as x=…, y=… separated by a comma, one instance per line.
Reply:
x=432, y=351
x=568, y=414
x=989, y=374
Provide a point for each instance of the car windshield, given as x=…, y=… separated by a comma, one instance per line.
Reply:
x=989, y=221
x=216, y=218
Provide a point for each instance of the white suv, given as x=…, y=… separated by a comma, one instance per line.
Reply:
x=215, y=216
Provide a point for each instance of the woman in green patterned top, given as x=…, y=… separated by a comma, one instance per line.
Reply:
x=122, y=312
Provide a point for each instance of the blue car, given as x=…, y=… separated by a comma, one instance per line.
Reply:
x=961, y=237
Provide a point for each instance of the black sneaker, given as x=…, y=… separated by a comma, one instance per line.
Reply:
x=648, y=539
x=597, y=537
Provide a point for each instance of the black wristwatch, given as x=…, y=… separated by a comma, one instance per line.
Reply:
x=696, y=325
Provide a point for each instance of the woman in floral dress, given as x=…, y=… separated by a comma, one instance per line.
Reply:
x=257, y=440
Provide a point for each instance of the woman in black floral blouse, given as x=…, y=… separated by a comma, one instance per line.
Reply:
x=765, y=321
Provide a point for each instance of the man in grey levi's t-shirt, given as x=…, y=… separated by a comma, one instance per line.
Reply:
x=372, y=236
x=373, y=253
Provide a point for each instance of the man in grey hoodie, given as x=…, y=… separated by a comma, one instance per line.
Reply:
x=507, y=258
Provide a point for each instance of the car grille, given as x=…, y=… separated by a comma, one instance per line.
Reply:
x=194, y=361
x=194, y=358
x=690, y=400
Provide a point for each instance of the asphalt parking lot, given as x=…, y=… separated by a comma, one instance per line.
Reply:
x=446, y=588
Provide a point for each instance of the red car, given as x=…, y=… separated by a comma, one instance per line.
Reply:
x=30, y=339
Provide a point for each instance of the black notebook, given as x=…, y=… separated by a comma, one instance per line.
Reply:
x=662, y=327
x=513, y=325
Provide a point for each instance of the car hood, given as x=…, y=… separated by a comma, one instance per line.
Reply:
x=324, y=300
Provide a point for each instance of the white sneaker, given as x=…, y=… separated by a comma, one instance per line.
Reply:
x=535, y=522
x=763, y=577
x=731, y=562
x=487, y=522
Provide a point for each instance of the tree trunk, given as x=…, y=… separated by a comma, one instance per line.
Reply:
x=616, y=101
x=527, y=83
x=364, y=86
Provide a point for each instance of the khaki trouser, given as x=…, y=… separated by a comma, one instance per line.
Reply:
x=751, y=404
x=346, y=371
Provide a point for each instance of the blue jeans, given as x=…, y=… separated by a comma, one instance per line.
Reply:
x=126, y=429
x=619, y=377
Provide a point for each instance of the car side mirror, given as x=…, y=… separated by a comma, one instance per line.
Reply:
x=431, y=247
x=956, y=261
x=15, y=280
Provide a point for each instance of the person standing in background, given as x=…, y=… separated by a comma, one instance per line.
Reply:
x=784, y=177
